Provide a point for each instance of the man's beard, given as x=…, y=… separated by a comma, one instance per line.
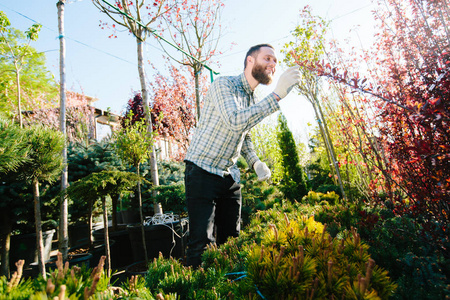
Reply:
x=258, y=72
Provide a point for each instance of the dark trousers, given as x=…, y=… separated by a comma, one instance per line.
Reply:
x=211, y=201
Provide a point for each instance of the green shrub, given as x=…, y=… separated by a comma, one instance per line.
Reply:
x=314, y=198
x=170, y=277
x=339, y=218
x=256, y=195
x=293, y=184
x=299, y=260
x=63, y=282
x=171, y=197
x=400, y=245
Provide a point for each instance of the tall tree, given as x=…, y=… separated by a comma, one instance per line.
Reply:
x=45, y=164
x=16, y=52
x=294, y=179
x=64, y=214
x=308, y=45
x=408, y=87
x=137, y=16
x=173, y=107
x=133, y=147
x=13, y=154
x=195, y=27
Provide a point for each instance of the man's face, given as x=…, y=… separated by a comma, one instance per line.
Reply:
x=264, y=66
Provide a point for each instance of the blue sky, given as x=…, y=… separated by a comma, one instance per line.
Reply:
x=107, y=68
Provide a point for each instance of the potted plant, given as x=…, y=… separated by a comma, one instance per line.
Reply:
x=99, y=185
x=45, y=164
x=133, y=144
x=82, y=161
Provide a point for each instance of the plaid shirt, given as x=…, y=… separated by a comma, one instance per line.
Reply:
x=229, y=112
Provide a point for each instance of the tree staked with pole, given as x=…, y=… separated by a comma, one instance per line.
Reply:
x=63, y=237
x=137, y=16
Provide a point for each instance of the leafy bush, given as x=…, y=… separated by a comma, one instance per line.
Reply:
x=170, y=277
x=256, y=195
x=400, y=245
x=171, y=189
x=339, y=218
x=299, y=259
x=63, y=282
x=314, y=198
x=293, y=184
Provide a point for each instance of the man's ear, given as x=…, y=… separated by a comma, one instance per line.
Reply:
x=250, y=60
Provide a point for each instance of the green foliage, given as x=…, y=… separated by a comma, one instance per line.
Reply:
x=169, y=276
x=255, y=194
x=226, y=259
x=20, y=292
x=339, y=218
x=83, y=161
x=293, y=184
x=18, y=56
x=97, y=156
x=314, y=198
x=171, y=197
x=171, y=188
x=133, y=142
x=135, y=288
x=62, y=282
x=170, y=172
x=300, y=260
x=13, y=148
x=264, y=138
x=399, y=244
x=45, y=159
x=102, y=184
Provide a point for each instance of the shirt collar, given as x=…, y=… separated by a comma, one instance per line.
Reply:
x=246, y=85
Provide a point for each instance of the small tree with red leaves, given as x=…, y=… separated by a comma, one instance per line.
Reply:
x=172, y=108
x=408, y=92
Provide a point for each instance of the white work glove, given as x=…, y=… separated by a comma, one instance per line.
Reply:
x=287, y=81
x=262, y=170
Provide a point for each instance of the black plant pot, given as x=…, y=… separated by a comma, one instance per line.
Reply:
x=23, y=246
x=97, y=251
x=80, y=260
x=79, y=233
x=164, y=238
x=137, y=268
x=127, y=216
x=121, y=252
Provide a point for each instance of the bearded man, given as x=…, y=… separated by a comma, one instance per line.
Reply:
x=230, y=110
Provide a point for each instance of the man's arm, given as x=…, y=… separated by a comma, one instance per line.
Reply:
x=248, y=151
x=237, y=118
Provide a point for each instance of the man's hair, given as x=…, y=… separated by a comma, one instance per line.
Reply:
x=253, y=51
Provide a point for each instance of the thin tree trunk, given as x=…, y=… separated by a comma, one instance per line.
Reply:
x=19, y=104
x=106, y=237
x=5, y=235
x=322, y=133
x=148, y=117
x=197, y=91
x=141, y=214
x=332, y=152
x=38, y=221
x=90, y=239
x=63, y=237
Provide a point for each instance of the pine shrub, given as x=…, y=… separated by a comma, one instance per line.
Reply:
x=300, y=260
